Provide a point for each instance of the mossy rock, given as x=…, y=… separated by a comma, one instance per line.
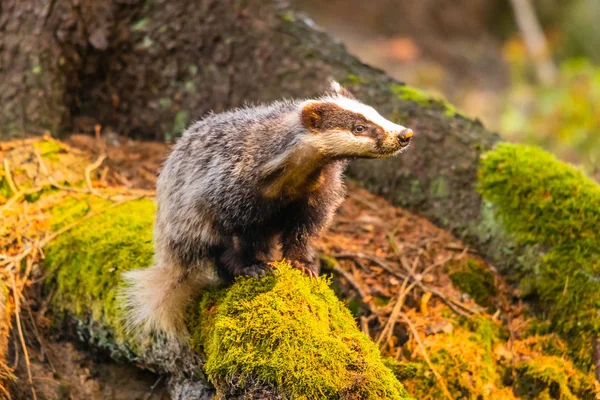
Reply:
x=544, y=202
x=286, y=331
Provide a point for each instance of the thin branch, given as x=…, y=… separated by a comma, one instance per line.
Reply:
x=58, y=185
x=457, y=306
x=17, y=196
x=535, y=40
x=363, y=201
x=88, y=171
x=9, y=178
x=153, y=388
x=21, y=337
x=439, y=378
x=388, y=329
x=338, y=269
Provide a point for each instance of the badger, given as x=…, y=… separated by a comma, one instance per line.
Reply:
x=240, y=184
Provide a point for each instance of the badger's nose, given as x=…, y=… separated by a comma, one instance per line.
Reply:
x=405, y=136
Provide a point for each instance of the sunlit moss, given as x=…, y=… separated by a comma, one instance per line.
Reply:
x=552, y=377
x=293, y=333
x=465, y=360
x=543, y=201
x=474, y=278
x=87, y=261
x=47, y=147
x=5, y=190
x=410, y=93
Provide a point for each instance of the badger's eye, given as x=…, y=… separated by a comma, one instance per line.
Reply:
x=360, y=128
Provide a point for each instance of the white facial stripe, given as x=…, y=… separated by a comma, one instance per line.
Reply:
x=340, y=143
x=368, y=112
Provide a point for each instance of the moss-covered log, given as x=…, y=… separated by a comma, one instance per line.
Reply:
x=285, y=336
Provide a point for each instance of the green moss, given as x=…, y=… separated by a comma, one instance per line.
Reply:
x=465, y=360
x=89, y=259
x=552, y=377
x=439, y=188
x=180, y=123
x=5, y=191
x=287, y=330
x=139, y=24
x=353, y=79
x=288, y=16
x=290, y=332
x=552, y=205
x=73, y=208
x=402, y=370
x=475, y=279
x=409, y=93
x=47, y=147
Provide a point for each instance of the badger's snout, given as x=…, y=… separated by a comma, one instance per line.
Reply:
x=405, y=136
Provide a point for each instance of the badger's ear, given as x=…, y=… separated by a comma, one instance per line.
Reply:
x=338, y=90
x=312, y=114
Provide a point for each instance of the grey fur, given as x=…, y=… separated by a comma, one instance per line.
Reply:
x=213, y=211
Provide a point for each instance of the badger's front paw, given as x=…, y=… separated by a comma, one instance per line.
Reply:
x=257, y=270
x=309, y=268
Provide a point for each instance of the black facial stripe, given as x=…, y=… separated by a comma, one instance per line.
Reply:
x=330, y=116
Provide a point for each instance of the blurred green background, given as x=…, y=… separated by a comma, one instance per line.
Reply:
x=475, y=53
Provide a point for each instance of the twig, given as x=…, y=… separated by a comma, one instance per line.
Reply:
x=58, y=185
x=535, y=40
x=363, y=201
x=364, y=324
x=37, y=335
x=388, y=329
x=426, y=356
x=373, y=259
x=461, y=249
x=88, y=171
x=337, y=268
x=21, y=337
x=458, y=307
x=153, y=388
x=9, y=178
x=17, y=196
x=351, y=280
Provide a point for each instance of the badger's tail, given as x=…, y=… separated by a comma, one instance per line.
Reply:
x=155, y=299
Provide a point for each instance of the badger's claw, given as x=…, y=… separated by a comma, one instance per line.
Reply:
x=307, y=269
x=258, y=270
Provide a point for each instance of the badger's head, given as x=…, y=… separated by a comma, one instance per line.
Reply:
x=340, y=126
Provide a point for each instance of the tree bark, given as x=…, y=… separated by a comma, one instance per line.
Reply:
x=149, y=68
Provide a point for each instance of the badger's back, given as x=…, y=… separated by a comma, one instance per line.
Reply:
x=213, y=170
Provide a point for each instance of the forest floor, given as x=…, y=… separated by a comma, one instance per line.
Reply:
x=404, y=279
